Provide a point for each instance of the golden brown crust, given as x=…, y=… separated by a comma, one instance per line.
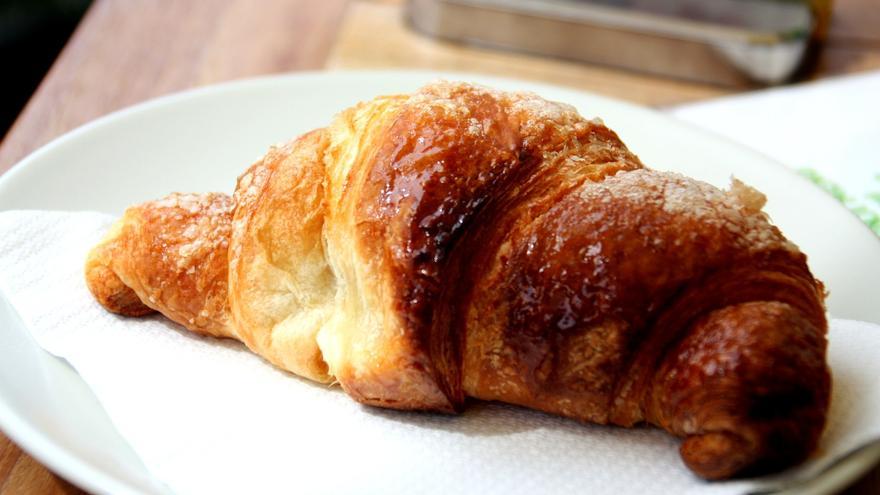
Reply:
x=280, y=286
x=746, y=387
x=462, y=242
x=172, y=254
x=424, y=173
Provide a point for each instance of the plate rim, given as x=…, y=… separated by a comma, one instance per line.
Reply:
x=41, y=445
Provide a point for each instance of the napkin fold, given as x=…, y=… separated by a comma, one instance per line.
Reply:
x=207, y=416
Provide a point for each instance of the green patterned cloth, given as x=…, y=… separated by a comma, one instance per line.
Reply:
x=865, y=206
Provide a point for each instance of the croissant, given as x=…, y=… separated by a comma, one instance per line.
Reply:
x=465, y=242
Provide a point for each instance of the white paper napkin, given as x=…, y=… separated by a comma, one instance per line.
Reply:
x=828, y=130
x=207, y=416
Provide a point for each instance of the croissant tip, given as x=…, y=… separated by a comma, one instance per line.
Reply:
x=110, y=292
x=717, y=455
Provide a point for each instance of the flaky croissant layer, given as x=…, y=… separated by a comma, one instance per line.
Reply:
x=464, y=242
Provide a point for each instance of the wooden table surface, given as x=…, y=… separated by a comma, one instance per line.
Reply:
x=127, y=51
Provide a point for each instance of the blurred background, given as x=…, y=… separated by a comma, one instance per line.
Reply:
x=657, y=52
x=32, y=33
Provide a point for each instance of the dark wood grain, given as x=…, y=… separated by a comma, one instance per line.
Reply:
x=30, y=477
x=867, y=485
x=9, y=454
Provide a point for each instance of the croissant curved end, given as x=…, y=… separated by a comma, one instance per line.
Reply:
x=103, y=282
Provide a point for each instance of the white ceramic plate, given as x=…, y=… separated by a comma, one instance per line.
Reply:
x=201, y=140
